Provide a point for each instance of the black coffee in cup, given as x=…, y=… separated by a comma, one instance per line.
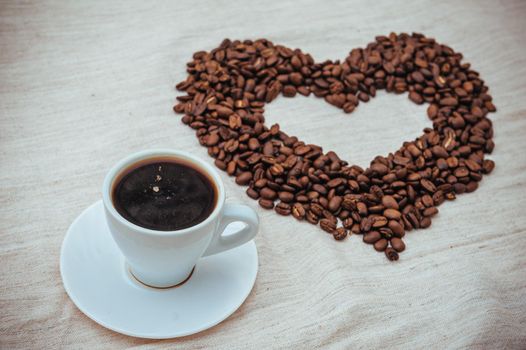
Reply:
x=164, y=194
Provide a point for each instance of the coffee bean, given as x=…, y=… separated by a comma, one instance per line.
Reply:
x=311, y=217
x=298, y=211
x=430, y=211
x=252, y=193
x=340, y=233
x=432, y=111
x=488, y=166
x=296, y=78
x=286, y=197
x=396, y=228
x=268, y=149
x=362, y=208
x=439, y=152
x=348, y=223
x=348, y=204
x=334, y=203
x=459, y=188
x=283, y=209
x=327, y=225
x=411, y=220
x=336, y=182
x=266, y=203
x=427, y=200
x=379, y=168
x=253, y=144
x=226, y=93
x=268, y=193
x=438, y=197
x=379, y=221
x=289, y=91
x=366, y=224
x=212, y=139
x=428, y=185
x=397, y=244
x=416, y=97
x=425, y=222
x=461, y=172
x=449, y=101
x=472, y=165
x=392, y=214
x=389, y=202
x=244, y=178
x=372, y=237
x=380, y=245
x=320, y=189
x=224, y=111
x=316, y=209
x=391, y=254
x=471, y=186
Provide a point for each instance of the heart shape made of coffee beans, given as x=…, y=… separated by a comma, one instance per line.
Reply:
x=226, y=92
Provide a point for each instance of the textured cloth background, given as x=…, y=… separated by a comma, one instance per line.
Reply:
x=84, y=83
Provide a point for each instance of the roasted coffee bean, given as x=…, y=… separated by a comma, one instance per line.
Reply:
x=328, y=225
x=372, y=237
x=268, y=193
x=397, y=244
x=472, y=165
x=380, y=245
x=244, y=178
x=252, y=193
x=228, y=87
x=379, y=168
x=428, y=185
x=461, y=172
x=488, y=166
x=392, y=214
x=391, y=254
x=348, y=204
x=438, y=197
x=339, y=234
x=316, y=209
x=389, y=202
x=336, y=182
x=362, y=208
x=311, y=217
x=286, y=197
x=348, y=223
x=334, y=203
x=366, y=224
x=298, y=211
x=379, y=221
x=425, y=222
x=471, y=186
x=283, y=209
x=416, y=97
x=266, y=203
x=427, y=200
x=430, y=211
x=396, y=228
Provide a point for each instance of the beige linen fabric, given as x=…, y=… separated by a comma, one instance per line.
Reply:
x=84, y=83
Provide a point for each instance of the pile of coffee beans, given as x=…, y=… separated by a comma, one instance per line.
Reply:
x=226, y=92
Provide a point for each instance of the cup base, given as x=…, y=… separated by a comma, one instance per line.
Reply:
x=155, y=287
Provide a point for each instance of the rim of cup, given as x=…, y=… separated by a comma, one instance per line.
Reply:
x=125, y=162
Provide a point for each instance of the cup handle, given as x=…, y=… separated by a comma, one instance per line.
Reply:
x=234, y=213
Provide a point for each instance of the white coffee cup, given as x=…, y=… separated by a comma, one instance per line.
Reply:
x=166, y=258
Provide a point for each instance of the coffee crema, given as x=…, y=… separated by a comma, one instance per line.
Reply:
x=164, y=194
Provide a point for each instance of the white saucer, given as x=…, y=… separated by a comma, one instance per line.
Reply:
x=98, y=281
